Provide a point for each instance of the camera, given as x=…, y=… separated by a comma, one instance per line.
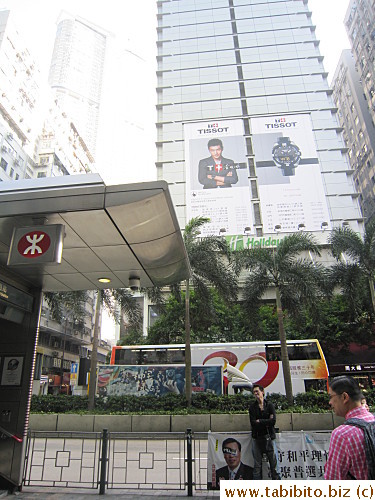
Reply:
x=134, y=283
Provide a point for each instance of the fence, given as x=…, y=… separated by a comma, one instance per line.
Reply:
x=116, y=460
x=151, y=460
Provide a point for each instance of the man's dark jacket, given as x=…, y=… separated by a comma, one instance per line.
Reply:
x=266, y=424
x=207, y=167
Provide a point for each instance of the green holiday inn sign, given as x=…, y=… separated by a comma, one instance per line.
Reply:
x=238, y=242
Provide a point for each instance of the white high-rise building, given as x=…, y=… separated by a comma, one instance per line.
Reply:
x=76, y=73
x=249, y=74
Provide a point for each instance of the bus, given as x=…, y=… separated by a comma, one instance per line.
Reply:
x=243, y=363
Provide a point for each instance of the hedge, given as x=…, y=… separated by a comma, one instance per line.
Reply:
x=310, y=402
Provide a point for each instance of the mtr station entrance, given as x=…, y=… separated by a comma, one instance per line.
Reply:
x=64, y=234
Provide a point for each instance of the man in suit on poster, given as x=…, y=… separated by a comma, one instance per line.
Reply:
x=235, y=469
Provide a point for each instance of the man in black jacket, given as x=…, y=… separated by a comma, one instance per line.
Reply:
x=216, y=171
x=263, y=420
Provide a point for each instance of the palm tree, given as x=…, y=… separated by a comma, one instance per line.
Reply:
x=360, y=250
x=112, y=300
x=210, y=260
x=66, y=303
x=296, y=281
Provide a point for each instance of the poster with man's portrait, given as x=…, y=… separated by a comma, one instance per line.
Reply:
x=229, y=457
x=217, y=176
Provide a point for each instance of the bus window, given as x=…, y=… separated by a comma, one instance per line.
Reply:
x=273, y=353
x=176, y=356
x=303, y=351
x=296, y=352
x=316, y=385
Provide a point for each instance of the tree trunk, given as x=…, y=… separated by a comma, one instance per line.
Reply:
x=371, y=283
x=284, y=350
x=187, y=346
x=94, y=354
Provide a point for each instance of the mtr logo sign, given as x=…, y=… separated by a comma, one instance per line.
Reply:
x=36, y=245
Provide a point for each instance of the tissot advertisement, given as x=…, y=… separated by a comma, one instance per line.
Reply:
x=217, y=184
x=289, y=179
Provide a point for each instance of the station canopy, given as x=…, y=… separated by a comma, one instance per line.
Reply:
x=115, y=232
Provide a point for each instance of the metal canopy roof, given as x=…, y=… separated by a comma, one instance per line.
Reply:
x=115, y=232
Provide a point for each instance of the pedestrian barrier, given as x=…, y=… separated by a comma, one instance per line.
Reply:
x=151, y=460
x=114, y=460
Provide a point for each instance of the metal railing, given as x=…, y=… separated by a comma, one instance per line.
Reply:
x=115, y=460
x=66, y=459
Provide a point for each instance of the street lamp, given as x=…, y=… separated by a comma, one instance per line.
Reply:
x=277, y=228
x=222, y=230
x=324, y=226
x=301, y=227
x=247, y=230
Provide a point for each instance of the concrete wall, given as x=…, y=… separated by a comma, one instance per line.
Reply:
x=177, y=423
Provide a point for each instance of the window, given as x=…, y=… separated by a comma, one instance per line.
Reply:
x=41, y=174
x=295, y=352
x=3, y=164
x=145, y=356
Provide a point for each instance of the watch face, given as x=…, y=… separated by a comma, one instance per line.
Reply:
x=285, y=153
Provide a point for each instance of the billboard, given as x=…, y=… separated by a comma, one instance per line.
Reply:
x=290, y=184
x=217, y=183
x=120, y=380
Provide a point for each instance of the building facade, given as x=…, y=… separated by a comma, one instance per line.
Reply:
x=76, y=73
x=358, y=129
x=360, y=27
x=250, y=74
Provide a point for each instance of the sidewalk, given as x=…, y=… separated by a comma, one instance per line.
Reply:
x=79, y=494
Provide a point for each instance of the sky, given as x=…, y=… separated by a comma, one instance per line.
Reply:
x=133, y=25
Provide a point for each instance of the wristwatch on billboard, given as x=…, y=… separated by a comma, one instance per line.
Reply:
x=286, y=155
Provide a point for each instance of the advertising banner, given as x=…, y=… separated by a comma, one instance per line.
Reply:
x=118, y=380
x=217, y=184
x=290, y=184
x=302, y=455
x=237, y=447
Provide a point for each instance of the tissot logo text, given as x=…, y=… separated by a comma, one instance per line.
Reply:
x=281, y=123
x=213, y=128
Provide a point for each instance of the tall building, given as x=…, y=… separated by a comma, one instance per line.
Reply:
x=356, y=121
x=360, y=26
x=249, y=73
x=76, y=73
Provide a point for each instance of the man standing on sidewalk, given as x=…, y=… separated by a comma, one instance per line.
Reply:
x=263, y=420
x=347, y=454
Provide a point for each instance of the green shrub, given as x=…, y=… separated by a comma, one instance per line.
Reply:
x=176, y=404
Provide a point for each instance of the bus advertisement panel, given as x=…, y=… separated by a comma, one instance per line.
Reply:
x=243, y=363
x=115, y=380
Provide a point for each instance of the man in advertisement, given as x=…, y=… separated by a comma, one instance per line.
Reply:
x=216, y=171
x=234, y=468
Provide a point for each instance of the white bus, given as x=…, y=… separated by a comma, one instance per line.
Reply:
x=244, y=363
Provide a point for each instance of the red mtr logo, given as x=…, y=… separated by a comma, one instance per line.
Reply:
x=34, y=244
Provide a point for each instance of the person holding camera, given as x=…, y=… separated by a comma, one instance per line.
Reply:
x=263, y=419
